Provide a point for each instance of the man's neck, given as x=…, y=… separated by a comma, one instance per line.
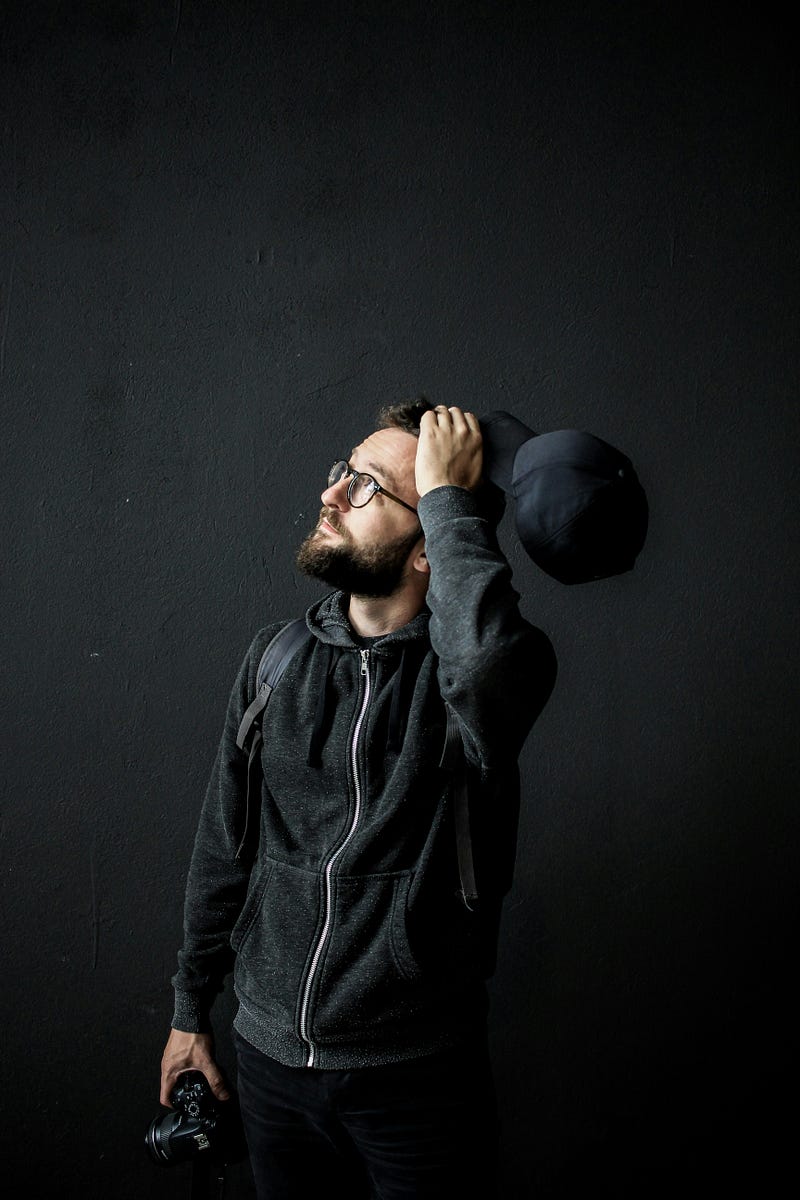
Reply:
x=376, y=616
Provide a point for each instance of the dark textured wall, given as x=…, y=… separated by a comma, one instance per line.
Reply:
x=228, y=233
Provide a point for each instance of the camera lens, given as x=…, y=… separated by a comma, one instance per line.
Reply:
x=175, y=1138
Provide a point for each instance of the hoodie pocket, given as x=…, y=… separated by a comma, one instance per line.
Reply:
x=272, y=937
x=368, y=972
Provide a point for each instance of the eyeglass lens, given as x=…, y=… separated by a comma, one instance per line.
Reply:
x=362, y=487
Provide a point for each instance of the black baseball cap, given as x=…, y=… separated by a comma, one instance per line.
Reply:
x=580, y=511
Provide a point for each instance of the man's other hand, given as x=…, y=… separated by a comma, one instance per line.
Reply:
x=190, y=1052
x=450, y=450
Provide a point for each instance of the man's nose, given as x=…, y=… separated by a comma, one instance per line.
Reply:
x=335, y=496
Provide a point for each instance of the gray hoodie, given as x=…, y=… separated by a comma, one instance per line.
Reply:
x=349, y=942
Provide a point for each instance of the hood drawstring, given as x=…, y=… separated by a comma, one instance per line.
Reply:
x=323, y=713
x=398, y=709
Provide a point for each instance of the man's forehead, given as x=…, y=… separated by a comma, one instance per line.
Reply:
x=389, y=453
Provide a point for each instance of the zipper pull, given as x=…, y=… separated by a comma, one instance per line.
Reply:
x=364, y=656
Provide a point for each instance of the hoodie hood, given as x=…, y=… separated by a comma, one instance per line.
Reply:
x=327, y=619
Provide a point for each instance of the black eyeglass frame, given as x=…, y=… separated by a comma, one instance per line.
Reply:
x=376, y=487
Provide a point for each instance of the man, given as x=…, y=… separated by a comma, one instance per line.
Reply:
x=359, y=968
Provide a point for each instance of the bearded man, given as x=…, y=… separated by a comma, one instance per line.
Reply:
x=359, y=962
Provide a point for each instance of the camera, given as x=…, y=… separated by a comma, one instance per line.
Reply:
x=198, y=1125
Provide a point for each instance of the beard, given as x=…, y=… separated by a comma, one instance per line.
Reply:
x=374, y=571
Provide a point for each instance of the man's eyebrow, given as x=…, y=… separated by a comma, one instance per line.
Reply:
x=377, y=469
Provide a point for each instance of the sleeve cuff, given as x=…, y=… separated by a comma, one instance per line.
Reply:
x=191, y=1013
x=447, y=503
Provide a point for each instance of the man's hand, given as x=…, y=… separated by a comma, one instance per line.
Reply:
x=190, y=1052
x=450, y=450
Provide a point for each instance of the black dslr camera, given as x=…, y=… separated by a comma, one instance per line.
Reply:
x=198, y=1125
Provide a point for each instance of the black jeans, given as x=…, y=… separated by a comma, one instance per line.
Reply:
x=423, y=1128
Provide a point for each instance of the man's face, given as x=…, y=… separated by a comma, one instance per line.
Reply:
x=367, y=551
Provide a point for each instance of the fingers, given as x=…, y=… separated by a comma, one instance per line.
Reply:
x=168, y=1079
x=450, y=425
x=454, y=418
x=216, y=1082
x=212, y=1074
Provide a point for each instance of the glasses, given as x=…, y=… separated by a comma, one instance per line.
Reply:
x=361, y=487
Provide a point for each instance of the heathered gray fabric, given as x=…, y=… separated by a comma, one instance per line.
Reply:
x=380, y=960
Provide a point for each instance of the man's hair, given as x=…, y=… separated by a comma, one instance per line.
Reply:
x=406, y=415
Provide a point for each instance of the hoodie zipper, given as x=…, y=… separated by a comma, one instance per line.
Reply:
x=326, y=927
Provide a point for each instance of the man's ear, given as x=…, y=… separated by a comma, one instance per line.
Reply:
x=420, y=561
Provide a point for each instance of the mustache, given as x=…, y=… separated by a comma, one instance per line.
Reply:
x=327, y=514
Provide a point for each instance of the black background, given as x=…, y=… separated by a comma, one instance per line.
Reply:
x=229, y=233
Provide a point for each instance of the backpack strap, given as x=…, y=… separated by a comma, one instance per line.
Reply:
x=453, y=760
x=274, y=661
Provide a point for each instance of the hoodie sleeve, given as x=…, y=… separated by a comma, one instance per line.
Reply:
x=496, y=671
x=217, y=881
